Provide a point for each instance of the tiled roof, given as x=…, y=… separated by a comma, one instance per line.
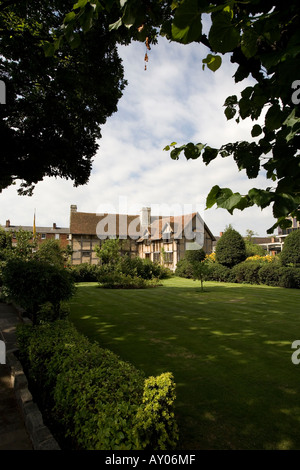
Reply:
x=85, y=223
x=29, y=228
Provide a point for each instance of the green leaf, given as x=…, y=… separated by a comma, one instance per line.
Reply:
x=213, y=62
x=256, y=130
x=212, y=196
x=87, y=20
x=231, y=100
x=176, y=152
x=284, y=204
x=69, y=17
x=230, y=112
x=228, y=200
x=260, y=197
x=74, y=40
x=115, y=25
x=249, y=43
x=273, y=117
x=187, y=26
x=209, y=154
x=192, y=151
x=49, y=49
x=129, y=16
x=80, y=4
x=223, y=36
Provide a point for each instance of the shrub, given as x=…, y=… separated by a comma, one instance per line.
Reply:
x=50, y=251
x=220, y=273
x=94, y=399
x=269, y=275
x=195, y=255
x=144, y=268
x=155, y=425
x=32, y=283
x=254, y=250
x=262, y=259
x=184, y=269
x=118, y=280
x=247, y=272
x=230, y=248
x=290, y=254
x=289, y=277
x=84, y=272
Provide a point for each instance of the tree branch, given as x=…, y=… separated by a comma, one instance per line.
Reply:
x=8, y=3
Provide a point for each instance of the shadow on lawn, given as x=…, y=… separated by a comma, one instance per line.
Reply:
x=229, y=349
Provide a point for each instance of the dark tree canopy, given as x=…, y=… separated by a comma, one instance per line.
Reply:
x=55, y=105
x=263, y=38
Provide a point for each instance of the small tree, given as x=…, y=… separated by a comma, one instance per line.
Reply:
x=291, y=249
x=110, y=252
x=25, y=246
x=195, y=255
x=5, y=243
x=231, y=248
x=50, y=251
x=251, y=248
x=201, y=270
x=32, y=283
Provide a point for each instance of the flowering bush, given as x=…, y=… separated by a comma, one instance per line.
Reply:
x=262, y=259
x=211, y=258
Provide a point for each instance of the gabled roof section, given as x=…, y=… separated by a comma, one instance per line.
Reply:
x=128, y=226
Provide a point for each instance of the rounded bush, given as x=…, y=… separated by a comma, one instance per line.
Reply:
x=230, y=248
x=247, y=272
x=220, y=273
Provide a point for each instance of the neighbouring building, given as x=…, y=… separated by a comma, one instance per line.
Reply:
x=160, y=239
x=42, y=233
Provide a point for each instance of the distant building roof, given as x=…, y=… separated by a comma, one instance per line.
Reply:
x=29, y=228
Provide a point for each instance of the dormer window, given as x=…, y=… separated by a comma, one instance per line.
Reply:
x=167, y=232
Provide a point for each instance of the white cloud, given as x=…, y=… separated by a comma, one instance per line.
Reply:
x=174, y=99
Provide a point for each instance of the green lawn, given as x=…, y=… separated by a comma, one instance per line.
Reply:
x=229, y=349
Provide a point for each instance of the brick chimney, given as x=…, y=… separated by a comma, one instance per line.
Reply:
x=73, y=208
x=7, y=224
x=221, y=233
x=145, y=216
x=54, y=225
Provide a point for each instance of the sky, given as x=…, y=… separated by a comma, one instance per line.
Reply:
x=174, y=100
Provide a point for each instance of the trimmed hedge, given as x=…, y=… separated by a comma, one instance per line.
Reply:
x=247, y=271
x=93, y=399
x=84, y=272
x=220, y=273
x=251, y=272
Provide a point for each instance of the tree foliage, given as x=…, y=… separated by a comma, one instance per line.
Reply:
x=230, y=248
x=290, y=254
x=32, y=283
x=263, y=38
x=50, y=251
x=55, y=105
x=110, y=252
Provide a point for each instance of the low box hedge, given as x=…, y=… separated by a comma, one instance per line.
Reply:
x=93, y=399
